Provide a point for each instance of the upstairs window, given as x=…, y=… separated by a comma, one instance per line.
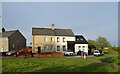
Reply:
x=83, y=46
x=63, y=39
x=45, y=39
x=77, y=39
x=51, y=39
x=79, y=46
x=58, y=40
x=81, y=39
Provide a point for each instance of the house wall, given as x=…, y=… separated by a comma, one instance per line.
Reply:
x=4, y=47
x=17, y=41
x=39, y=41
x=80, y=47
x=61, y=43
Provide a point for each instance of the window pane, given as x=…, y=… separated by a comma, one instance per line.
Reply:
x=58, y=48
x=64, y=48
x=83, y=46
x=51, y=39
x=45, y=39
x=63, y=39
x=57, y=39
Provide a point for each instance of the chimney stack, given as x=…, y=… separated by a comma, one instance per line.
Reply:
x=53, y=27
x=2, y=30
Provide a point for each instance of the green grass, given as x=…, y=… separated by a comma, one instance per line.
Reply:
x=54, y=65
x=110, y=52
x=113, y=60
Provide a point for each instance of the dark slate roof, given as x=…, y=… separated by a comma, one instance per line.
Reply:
x=50, y=32
x=79, y=40
x=42, y=31
x=8, y=33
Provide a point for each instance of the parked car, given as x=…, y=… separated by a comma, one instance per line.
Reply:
x=96, y=53
x=20, y=52
x=10, y=53
x=68, y=52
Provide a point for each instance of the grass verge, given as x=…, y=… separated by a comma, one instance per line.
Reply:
x=54, y=65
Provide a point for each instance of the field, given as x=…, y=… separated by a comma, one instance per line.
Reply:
x=54, y=65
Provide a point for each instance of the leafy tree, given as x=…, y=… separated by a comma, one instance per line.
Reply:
x=92, y=44
x=102, y=42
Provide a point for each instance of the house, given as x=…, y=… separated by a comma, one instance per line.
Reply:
x=80, y=44
x=11, y=40
x=51, y=39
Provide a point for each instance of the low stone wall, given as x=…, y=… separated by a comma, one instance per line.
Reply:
x=43, y=55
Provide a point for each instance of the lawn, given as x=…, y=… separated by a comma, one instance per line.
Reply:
x=109, y=52
x=113, y=60
x=54, y=65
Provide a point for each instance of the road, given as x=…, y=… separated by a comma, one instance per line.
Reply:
x=76, y=56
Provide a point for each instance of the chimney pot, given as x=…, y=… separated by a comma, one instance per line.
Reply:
x=53, y=26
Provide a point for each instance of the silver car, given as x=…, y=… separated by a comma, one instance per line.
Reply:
x=10, y=53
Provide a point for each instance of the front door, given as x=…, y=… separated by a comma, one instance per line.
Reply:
x=39, y=49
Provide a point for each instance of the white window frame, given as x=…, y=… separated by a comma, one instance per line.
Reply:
x=45, y=39
x=58, y=39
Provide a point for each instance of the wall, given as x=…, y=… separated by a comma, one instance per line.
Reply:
x=61, y=43
x=4, y=44
x=17, y=41
x=82, y=49
x=38, y=41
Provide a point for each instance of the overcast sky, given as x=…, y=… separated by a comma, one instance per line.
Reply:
x=91, y=19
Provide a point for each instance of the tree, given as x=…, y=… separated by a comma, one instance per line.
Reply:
x=102, y=42
x=92, y=44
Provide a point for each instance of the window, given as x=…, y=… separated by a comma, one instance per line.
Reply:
x=64, y=48
x=83, y=46
x=81, y=39
x=63, y=39
x=79, y=46
x=51, y=39
x=58, y=48
x=45, y=47
x=58, y=39
x=52, y=47
x=45, y=39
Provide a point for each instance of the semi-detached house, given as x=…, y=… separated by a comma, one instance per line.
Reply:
x=51, y=39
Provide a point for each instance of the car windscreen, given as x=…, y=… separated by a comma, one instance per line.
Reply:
x=96, y=52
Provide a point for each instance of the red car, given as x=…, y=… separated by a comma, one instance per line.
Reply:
x=22, y=52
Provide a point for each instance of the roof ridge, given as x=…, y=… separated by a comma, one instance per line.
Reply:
x=50, y=28
x=12, y=31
